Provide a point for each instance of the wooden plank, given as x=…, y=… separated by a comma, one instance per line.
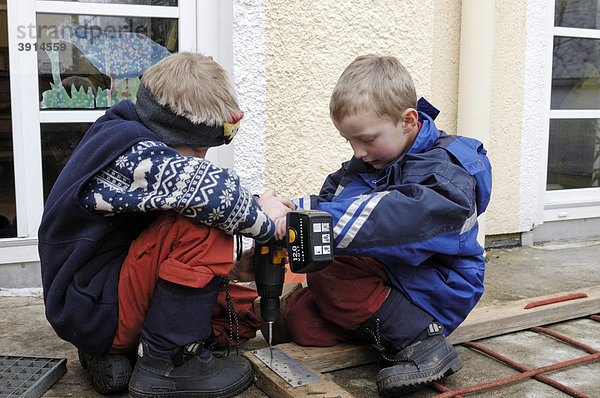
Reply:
x=483, y=322
x=274, y=386
x=512, y=316
x=328, y=359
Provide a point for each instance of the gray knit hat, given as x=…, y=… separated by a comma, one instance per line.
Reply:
x=175, y=130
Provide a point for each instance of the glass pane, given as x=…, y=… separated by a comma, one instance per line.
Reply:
x=172, y=3
x=8, y=208
x=576, y=14
x=574, y=153
x=575, y=73
x=87, y=61
x=59, y=140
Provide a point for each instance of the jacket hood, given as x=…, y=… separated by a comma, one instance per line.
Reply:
x=123, y=110
x=426, y=136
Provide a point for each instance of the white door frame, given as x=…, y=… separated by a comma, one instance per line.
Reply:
x=555, y=205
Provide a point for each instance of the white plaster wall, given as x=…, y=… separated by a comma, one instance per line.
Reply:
x=308, y=46
x=536, y=105
x=249, y=79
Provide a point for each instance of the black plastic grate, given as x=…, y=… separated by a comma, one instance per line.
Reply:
x=29, y=376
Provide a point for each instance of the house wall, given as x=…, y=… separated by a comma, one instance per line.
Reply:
x=504, y=147
x=248, y=36
x=306, y=48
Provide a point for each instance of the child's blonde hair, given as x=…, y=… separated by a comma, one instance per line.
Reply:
x=193, y=86
x=377, y=83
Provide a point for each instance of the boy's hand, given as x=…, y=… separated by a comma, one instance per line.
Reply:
x=274, y=206
x=280, y=228
x=243, y=270
x=286, y=202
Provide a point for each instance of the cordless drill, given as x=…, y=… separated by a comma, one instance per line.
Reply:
x=309, y=244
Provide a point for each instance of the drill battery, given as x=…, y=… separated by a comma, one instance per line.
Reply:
x=309, y=240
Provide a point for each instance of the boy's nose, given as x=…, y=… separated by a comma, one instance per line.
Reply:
x=359, y=153
x=358, y=149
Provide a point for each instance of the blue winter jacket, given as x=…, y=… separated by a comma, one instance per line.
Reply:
x=418, y=217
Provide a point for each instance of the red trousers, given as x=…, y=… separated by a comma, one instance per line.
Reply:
x=338, y=299
x=180, y=251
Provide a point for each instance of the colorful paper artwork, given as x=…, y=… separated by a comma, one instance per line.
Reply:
x=122, y=56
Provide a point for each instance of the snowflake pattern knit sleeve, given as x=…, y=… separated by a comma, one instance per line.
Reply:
x=152, y=176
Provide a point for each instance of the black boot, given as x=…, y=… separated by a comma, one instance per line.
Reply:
x=109, y=373
x=172, y=358
x=429, y=359
x=192, y=372
x=412, y=345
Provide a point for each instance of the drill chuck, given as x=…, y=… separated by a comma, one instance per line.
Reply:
x=269, y=308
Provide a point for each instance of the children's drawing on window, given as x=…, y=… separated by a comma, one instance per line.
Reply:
x=122, y=56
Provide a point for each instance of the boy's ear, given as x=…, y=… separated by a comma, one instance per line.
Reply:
x=410, y=120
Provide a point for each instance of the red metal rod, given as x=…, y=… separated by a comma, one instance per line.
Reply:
x=565, y=339
x=525, y=375
x=440, y=388
x=522, y=368
x=595, y=317
x=554, y=300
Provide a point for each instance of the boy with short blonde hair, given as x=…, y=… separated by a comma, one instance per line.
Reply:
x=136, y=238
x=381, y=84
x=193, y=86
x=408, y=268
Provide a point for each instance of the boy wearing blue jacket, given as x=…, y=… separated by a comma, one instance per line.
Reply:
x=408, y=267
x=136, y=238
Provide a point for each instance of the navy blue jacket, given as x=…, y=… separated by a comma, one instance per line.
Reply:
x=418, y=216
x=116, y=182
x=81, y=252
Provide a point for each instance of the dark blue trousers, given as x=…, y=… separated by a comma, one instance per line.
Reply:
x=179, y=315
x=400, y=321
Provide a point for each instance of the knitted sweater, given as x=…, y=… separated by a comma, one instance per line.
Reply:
x=151, y=176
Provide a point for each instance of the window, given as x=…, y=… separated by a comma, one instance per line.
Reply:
x=8, y=213
x=63, y=78
x=573, y=169
x=91, y=61
x=58, y=140
x=75, y=59
x=172, y=3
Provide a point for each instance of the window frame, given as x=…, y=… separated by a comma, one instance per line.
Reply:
x=566, y=204
x=199, y=30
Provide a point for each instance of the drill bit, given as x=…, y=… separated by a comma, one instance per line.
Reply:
x=271, y=339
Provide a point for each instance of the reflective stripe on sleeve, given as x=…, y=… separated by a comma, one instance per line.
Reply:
x=373, y=200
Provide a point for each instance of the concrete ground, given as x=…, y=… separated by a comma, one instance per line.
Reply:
x=512, y=274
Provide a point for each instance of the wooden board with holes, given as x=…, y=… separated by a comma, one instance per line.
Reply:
x=274, y=386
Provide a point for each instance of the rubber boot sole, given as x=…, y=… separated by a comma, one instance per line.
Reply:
x=392, y=384
x=230, y=391
x=107, y=375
